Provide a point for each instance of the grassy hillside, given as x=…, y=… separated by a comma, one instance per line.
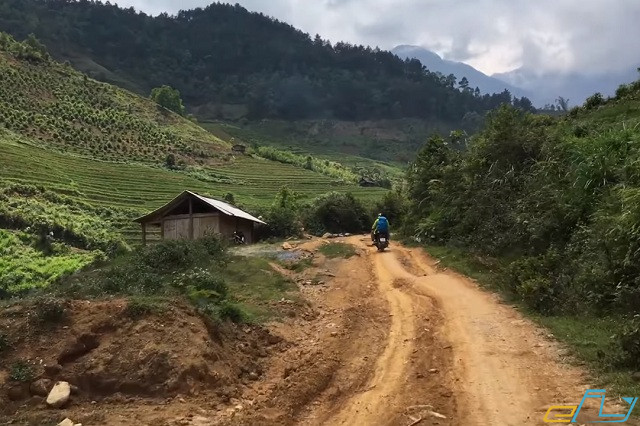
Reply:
x=393, y=142
x=61, y=109
x=81, y=159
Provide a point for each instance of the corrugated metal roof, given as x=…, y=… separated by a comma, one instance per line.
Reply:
x=221, y=206
x=227, y=209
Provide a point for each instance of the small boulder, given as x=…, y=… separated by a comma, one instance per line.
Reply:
x=287, y=246
x=41, y=387
x=327, y=235
x=18, y=392
x=59, y=395
x=636, y=376
x=66, y=422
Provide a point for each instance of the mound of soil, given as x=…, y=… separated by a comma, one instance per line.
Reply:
x=106, y=354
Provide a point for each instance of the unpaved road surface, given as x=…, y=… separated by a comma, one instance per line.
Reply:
x=452, y=354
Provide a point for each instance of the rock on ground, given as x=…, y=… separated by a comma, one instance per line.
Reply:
x=59, y=395
x=41, y=387
x=66, y=422
x=18, y=392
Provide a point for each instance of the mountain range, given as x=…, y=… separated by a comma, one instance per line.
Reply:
x=541, y=88
x=476, y=78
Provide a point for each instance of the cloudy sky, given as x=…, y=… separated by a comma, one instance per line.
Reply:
x=494, y=36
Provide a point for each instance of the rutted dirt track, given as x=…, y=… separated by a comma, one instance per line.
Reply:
x=453, y=354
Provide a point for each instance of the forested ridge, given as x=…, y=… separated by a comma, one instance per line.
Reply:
x=223, y=54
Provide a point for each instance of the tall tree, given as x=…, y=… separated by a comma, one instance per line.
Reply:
x=169, y=98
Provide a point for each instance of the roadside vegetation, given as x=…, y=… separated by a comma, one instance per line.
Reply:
x=220, y=286
x=546, y=209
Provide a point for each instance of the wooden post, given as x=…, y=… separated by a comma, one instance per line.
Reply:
x=144, y=233
x=191, y=218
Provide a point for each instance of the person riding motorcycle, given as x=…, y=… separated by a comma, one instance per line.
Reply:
x=380, y=228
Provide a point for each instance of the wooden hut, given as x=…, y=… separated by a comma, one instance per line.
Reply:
x=192, y=216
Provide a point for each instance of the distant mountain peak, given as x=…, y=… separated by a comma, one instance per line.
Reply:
x=436, y=63
x=408, y=49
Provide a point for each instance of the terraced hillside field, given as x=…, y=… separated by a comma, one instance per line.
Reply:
x=81, y=159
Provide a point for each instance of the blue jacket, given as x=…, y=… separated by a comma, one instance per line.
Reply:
x=381, y=224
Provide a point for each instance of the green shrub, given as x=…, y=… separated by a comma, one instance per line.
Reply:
x=202, y=285
x=622, y=91
x=21, y=371
x=282, y=218
x=336, y=212
x=232, y=312
x=281, y=223
x=594, y=101
x=334, y=250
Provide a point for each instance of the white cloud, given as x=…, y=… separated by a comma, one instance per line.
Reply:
x=493, y=35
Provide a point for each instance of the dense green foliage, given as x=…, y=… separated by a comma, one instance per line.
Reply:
x=335, y=213
x=559, y=198
x=283, y=217
x=169, y=98
x=226, y=54
x=189, y=268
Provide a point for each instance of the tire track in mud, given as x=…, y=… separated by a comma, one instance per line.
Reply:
x=402, y=389
x=372, y=405
x=507, y=370
x=426, y=346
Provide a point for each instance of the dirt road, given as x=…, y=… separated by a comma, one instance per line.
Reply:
x=482, y=364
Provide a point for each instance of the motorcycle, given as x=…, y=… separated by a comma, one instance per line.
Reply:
x=238, y=238
x=381, y=241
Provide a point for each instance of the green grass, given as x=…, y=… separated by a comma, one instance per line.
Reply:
x=255, y=287
x=337, y=250
x=23, y=266
x=21, y=371
x=391, y=142
x=467, y=264
x=588, y=338
x=348, y=151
